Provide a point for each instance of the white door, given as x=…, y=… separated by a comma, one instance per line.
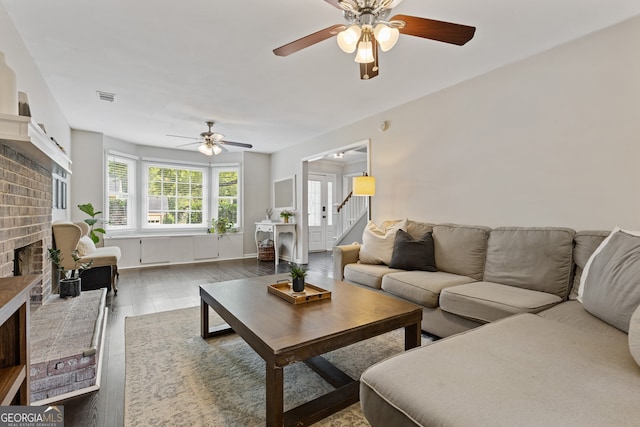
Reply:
x=321, y=189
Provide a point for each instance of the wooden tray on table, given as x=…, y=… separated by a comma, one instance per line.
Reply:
x=310, y=293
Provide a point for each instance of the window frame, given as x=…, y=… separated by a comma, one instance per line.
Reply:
x=144, y=214
x=131, y=195
x=215, y=196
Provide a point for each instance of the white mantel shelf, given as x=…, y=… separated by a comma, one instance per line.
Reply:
x=27, y=137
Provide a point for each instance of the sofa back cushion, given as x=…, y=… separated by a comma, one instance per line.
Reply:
x=416, y=229
x=461, y=249
x=535, y=258
x=610, y=284
x=377, y=243
x=584, y=243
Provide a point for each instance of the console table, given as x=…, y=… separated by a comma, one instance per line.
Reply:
x=277, y=228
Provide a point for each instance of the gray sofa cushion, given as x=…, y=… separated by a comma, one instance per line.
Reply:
x=634, y=335
x=416, y=229
x=521, y=371
x=421, y=287
x=539, y=259
x=413, y=254
x=611, y=282
x=461, y=249
x=573, y=313
x=367, y=274
x=488, y=302
x=585, y=242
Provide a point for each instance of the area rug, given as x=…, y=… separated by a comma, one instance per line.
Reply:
x=175, y=378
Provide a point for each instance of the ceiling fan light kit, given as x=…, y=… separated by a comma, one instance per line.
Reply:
x=211, y=143
x=368, y=27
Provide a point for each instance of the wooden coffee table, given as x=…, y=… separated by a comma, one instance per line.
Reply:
x=283, y=333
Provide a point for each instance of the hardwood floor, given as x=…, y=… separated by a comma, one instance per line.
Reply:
x=151, y=290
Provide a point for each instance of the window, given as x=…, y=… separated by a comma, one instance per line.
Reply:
x=120, y=192
x=226, y=186
x=175, y=196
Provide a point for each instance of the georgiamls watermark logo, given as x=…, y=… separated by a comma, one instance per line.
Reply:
x=31, y=416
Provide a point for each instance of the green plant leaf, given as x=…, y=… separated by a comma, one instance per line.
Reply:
x=90, y=221
x=100, y=230
x=87, y=208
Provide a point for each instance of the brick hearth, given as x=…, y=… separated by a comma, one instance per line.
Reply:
x=25, y=215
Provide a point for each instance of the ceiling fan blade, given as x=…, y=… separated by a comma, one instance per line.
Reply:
x=189, y=143
x=309, y=40
x=334, y=3
x=236, y=144
x=441, y=31
x=370, y=70
x=181, y=136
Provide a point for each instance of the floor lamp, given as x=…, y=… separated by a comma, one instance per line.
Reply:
x=364, y=185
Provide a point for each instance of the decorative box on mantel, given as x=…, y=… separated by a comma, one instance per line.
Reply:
x=27, y=137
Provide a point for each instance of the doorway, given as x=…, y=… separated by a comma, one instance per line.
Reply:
x=321, y=216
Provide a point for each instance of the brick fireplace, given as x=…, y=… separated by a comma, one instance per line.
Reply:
x=25, y=217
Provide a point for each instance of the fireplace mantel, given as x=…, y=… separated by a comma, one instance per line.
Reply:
x=28, y=138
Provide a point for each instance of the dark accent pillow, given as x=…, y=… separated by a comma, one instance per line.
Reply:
x=410, y=254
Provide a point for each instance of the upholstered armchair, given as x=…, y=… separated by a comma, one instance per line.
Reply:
x=69, y=236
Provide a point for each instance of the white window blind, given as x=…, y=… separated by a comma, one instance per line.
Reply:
x=120, y=192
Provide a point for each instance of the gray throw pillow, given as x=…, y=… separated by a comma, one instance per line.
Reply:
x=634, y=335
x=410, y=254
x=611, y=288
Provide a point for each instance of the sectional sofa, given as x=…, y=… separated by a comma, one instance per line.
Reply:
x=519, y=348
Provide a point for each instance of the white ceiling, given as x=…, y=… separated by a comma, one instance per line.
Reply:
x=173, y=65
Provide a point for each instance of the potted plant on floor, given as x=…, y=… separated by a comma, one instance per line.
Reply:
x=298, y=274
x=70, y=283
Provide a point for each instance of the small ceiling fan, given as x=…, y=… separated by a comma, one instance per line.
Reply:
x=211, y=143
x=368, y=28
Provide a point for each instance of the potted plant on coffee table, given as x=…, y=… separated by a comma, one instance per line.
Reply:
x=70, y=283
x=298, y=274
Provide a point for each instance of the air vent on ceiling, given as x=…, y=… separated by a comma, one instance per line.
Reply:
x=106, y=96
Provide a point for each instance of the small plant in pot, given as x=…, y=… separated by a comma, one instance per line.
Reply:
x=69, y=279
x=286, y=214
x=298, y=274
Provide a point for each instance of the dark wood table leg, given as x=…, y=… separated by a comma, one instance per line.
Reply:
x=205, y=330
x=204, y=319
x=275, y=397
x=412, y=336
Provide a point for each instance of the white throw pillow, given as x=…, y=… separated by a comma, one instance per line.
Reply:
x=377, y=243
x=85, y=246
x=604, y=243
x=634, y=335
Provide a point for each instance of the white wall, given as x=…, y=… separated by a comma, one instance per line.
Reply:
x=551, y=140
x=257, y=195
x=44, y=108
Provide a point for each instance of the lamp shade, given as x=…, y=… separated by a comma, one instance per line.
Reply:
x=206, y=150
x=364, y=186
x=365, y=52
x=348, y=39
x=386, y=36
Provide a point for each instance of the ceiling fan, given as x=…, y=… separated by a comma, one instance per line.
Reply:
x=368, y=28
x=211, y=143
